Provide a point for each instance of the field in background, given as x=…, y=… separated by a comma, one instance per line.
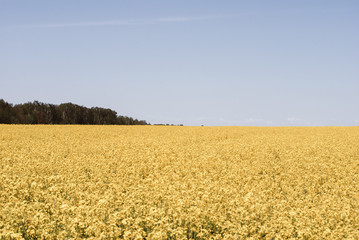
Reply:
x=135, y=182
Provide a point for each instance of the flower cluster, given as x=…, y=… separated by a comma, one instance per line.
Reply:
x=158, y=182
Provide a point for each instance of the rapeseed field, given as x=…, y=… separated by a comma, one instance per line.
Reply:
x=158, y=182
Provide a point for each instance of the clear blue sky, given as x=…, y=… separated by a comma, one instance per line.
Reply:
x=264, y=63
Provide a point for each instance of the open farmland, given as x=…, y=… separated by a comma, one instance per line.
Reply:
x=136, y=182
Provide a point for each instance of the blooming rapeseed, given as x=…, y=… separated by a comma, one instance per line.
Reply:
x=136, y=182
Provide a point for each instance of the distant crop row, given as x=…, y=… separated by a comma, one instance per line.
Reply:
x=146, y=182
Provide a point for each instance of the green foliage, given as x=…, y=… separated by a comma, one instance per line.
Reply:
x=66, y=113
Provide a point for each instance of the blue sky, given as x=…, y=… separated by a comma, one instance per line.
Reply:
x=253, y=63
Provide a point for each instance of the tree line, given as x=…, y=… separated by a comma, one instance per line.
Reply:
x=66, y=113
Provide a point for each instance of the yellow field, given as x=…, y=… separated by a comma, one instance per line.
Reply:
x=135, y=182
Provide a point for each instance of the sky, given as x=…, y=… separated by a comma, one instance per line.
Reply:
x=198, y=62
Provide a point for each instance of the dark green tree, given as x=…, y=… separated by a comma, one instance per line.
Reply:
x=66, y=113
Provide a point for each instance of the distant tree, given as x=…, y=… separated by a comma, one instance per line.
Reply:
x=5, y=112
x=66, y=113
